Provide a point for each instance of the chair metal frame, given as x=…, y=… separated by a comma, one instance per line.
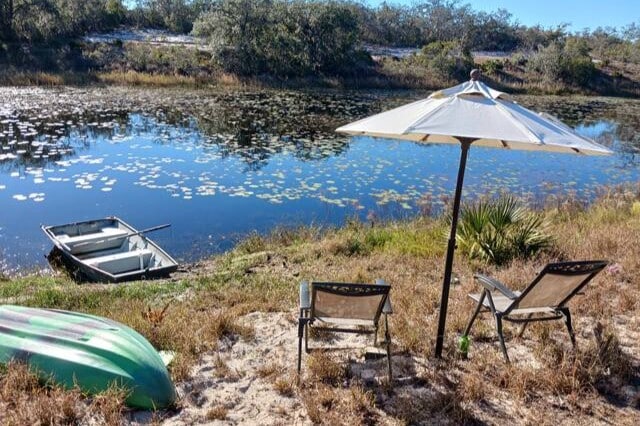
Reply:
x=548, y=313
x=308, y=317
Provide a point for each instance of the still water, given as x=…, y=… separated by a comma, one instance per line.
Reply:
x=220, y=164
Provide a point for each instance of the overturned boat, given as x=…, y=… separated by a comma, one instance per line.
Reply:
x=93, y=353
x=109, y=250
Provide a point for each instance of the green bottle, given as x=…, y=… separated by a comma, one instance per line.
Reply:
x=463, y=346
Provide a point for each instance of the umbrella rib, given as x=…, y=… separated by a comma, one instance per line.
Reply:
x=518, y=123
x=555, y=121
x=429, y=114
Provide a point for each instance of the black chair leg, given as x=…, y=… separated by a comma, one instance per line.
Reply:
x=301, y=325
x=387, y=339
x=306, y=337
x=475, y=314
x=501, y=337
x=567, y=320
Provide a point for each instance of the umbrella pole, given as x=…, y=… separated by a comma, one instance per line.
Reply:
x=465, y=143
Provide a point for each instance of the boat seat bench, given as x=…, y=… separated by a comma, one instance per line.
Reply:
x=106, y=238
x=122, y=262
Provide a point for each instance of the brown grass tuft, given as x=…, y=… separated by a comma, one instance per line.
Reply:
x=285, y=386
x=110, y=405
x=134, y=78
x=23, y=400
x=323, y=368
x=472, y=388
x=271, y=370
x=218, y=412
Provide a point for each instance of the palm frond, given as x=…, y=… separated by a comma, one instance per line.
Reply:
x=498, y=230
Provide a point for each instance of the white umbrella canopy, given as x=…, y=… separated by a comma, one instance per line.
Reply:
x=474, y=110
x=472, y=113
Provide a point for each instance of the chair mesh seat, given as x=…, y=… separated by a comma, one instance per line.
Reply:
x=500, y=302
x=544, y=299
x=337, y=307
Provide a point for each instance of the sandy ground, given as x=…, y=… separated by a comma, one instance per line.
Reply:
x=230, y=377
x=248, y=398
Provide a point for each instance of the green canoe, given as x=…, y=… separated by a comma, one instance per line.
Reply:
x=85, y=350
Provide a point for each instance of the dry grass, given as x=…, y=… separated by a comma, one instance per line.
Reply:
x=134, y=78
x=285, y=386
x=25, y=400
x=324, y=369
x=329, y=405
x=269, y=371
x=597, y=383
x=110, y=405
x=40, y=78
x=222, y=369
x=219, y=412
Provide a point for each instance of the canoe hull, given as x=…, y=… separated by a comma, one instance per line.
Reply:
x=93, y=353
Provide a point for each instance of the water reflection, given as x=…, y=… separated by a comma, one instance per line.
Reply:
x=220, y=164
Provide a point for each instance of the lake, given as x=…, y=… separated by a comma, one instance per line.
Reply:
x=220, y=164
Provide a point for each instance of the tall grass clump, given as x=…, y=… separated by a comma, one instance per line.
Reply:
x=498, y=231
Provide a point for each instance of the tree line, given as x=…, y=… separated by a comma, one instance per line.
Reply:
x=301, y=37
x=389, y=24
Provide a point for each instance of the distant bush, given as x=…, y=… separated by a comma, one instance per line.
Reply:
x=547, y=62
x=568, y=62
x=282, y=38
x=492, y=66
x=519, y=58
x=447, y=59
x=609, y=44
x=174, y=15
x=497, y=231
x=145, y=58
x=161, y=59
x=48, y=20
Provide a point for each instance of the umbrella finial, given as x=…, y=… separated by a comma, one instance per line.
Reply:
x=475, y=74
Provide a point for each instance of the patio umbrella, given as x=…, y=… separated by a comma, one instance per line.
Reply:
x=471, y=113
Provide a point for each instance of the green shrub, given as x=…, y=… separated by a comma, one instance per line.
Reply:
x=519, y=59
x=492, y=66
x=447, y=59
x=497, y=231
x=160, y=59
x=547, y=62
x=569, y=62
x=282, y=38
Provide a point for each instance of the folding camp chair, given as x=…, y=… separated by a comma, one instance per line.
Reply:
x=344, y=308
x=543, y=300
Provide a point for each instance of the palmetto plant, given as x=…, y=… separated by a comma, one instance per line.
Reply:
x=499, y=230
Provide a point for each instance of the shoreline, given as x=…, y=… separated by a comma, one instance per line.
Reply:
x=403, y=81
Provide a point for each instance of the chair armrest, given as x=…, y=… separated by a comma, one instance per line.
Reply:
x=492, y=284
x=305, y=296
x=387, y=308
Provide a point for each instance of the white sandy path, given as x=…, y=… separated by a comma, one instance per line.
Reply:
x=249, y=399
